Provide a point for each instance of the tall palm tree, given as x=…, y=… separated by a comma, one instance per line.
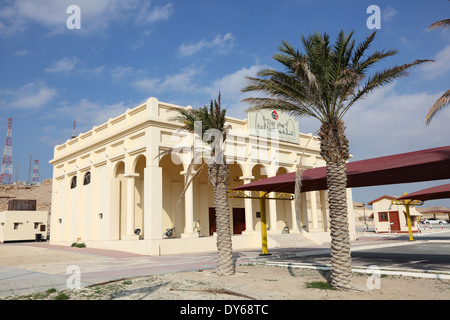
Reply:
x=324, y=82
x=209, y=124
x=444, y=100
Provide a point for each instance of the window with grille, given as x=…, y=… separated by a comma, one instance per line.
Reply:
x=383, y=216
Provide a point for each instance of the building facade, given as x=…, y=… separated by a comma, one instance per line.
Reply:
x=23, y=225
x=114, y=188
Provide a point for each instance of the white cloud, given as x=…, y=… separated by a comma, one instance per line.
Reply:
x=231, y=84
x=21, y=53
x=31, y=96
x=64, y=65
x=185, y=83
x=52, y=14
x=221, y=44
x=181, y=82
x=119, y=73
x=161, y=13
x=91, y=71
x=10, y=23
x=432, y=70
x=230, y=87
x=96, y=16
x=389, y=122
x=388, y=13
x=86, y=113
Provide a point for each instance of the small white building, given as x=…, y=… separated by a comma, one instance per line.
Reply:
x=22, y=225
x=391, y=218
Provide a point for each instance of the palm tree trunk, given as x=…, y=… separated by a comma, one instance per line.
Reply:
x=218, y=177
x=340, y=240
x=334, y=150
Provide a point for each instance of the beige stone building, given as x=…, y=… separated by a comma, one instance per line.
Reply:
x=113, y=189
x=23, y=225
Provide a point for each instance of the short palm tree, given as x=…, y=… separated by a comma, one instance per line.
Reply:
x=209, y=124
x=444, y=100
x=324, y=82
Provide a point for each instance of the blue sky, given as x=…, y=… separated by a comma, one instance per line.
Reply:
x=184, y=52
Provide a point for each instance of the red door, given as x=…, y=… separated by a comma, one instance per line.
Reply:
x=238, y=220
x=394, y=220
x=212, y=221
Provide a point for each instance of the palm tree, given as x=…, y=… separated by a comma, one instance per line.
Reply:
x=444, y=100
x=209, y=124
x=324, y=82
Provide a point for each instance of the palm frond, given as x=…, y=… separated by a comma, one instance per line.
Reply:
x=440, y=24
x=441, y=103
x=362, y=48
x=212, y=117
x=381, y=78
x=324, y=80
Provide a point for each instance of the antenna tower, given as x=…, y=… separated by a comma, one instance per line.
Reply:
x=73, y=131
x=7, y=166
x=36, y=172
x=29, y=170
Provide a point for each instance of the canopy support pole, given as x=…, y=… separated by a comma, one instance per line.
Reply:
x=262, y=204
x=408, y=220
x=407, y=203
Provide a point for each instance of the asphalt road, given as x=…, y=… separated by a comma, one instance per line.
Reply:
x=421, y=256
x=429, y=252
x=445, y=227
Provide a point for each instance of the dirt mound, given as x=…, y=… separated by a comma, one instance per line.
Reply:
x=41, y=193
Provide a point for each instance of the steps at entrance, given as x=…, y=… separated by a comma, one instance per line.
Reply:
x=290, y=240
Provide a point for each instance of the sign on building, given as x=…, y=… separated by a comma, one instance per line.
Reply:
x=273, y=124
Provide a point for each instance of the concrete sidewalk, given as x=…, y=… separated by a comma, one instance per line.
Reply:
x=115, y=265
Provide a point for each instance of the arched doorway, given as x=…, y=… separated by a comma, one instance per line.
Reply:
x=259, y=172
x=172, y=188
x=140, y=165
x=118, y=209
x=284, y=208
x=236, y=205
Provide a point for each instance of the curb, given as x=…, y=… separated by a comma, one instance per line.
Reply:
x=372, y=270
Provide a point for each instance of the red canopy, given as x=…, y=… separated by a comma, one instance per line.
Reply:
x=439, y=192
x=417, y=166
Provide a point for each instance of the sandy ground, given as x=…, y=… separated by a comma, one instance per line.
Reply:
x=251, y=281
x=41, y=193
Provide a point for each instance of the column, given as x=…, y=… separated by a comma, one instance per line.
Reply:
x=273, y=214
x=304, y=216
x=325, y=215
x=153, y=204
x=315, y=225
x=130, y=206
x=189, y=211
x=351, y=215
x=294, y=227
x=248, y=204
